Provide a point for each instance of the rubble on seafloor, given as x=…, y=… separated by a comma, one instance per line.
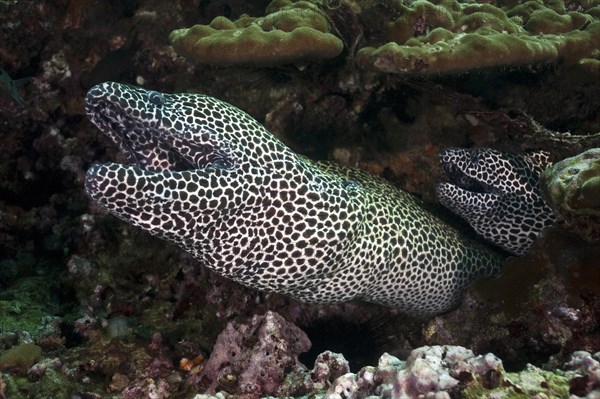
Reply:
x=435, y=371
x=259, y=358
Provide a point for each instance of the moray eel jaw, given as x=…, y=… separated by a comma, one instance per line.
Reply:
x=497, y=194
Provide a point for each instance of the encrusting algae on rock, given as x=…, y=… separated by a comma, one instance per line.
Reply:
x=20, y=357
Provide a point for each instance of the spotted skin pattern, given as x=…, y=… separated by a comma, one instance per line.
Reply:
x=208, y=177
x=497, y=194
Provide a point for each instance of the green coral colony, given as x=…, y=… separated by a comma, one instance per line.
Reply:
x=454, y=37
x=572, y=188
x=438, y=36
x=573, y=184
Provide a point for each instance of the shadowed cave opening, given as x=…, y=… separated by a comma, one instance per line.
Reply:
x=357, y=342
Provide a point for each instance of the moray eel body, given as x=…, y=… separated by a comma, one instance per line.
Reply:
x=211, y=179
x=498, y=194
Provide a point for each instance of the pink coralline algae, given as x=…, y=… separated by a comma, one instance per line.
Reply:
x=253, y=358
x=585, y=374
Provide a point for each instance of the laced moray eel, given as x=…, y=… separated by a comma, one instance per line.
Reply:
x=208, y=177
x=498, y=194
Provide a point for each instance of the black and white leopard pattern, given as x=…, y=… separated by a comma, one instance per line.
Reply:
x=208, y=177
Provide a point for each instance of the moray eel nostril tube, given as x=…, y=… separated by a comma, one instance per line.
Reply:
x=497, y=194
x=208, y=177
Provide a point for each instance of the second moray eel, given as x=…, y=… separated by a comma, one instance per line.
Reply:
x=498, y=194
x=208, y=177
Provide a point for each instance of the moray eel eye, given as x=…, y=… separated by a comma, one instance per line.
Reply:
x=156, y=98
x=222, y=163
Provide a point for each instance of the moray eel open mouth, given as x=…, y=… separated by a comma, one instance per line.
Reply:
x=175, y=153
x=497, y=194
x=134, y=120
x=461, y=180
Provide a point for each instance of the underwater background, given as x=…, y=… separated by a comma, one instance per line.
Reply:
x=92, y=307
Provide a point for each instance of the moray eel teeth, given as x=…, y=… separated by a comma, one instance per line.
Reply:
x=497, y=194
x=208, y=177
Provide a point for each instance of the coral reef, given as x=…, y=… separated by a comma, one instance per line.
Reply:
x=434, y=371
x=291, y=33
x=572, y=188
x=447, y=36
x=435, y=37
x=118, y=313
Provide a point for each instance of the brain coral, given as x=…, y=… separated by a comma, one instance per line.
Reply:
x=447, y=36
x=291, y=33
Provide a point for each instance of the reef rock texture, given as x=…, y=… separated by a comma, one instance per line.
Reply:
x=448, y=36
x=290, y=33
x=429, y=371
x=572, y=188
x=253, y=358
x=545, y=304
x=442, y=372
x=584, y=370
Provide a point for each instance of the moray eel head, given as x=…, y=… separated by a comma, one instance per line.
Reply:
x=183, y=151
x=497, y=194
x=175, y=132
x=208, y=177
